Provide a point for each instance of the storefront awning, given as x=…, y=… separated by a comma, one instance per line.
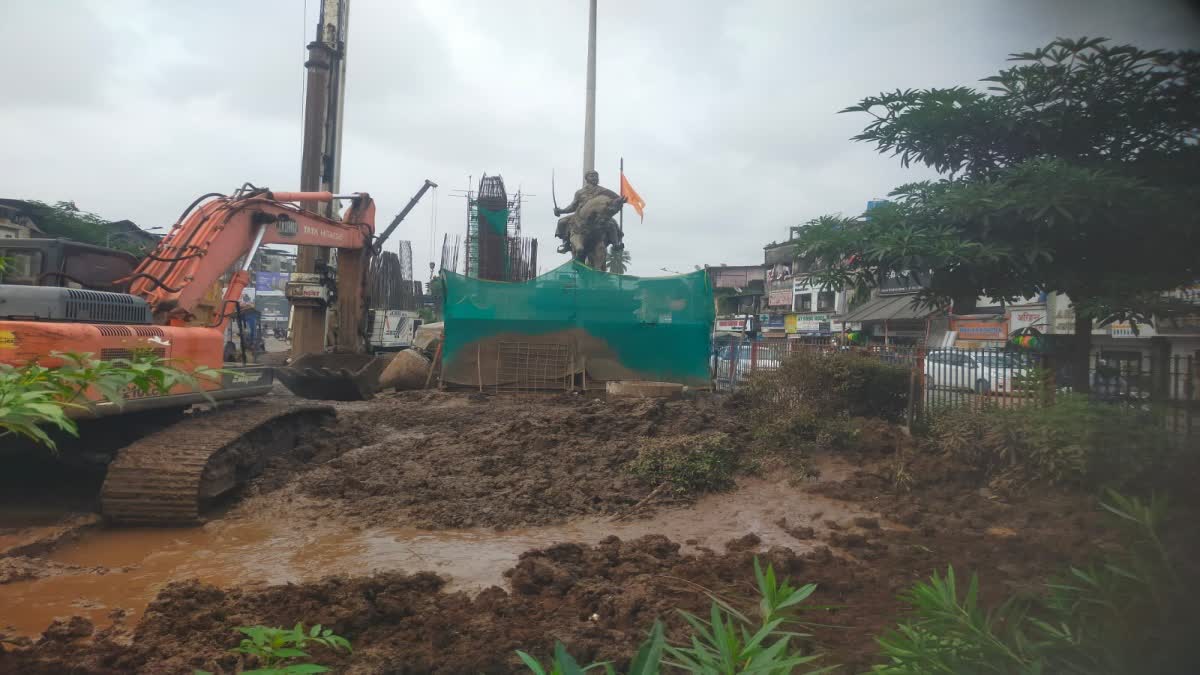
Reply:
x=888, y=308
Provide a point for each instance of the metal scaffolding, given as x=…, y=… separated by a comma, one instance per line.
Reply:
x=490, y=255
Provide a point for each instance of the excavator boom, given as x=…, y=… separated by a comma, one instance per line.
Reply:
x=210, y=238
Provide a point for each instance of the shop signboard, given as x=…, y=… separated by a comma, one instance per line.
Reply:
x=980, y=330
x=813, y=323
x=733, y=325
x=780, y=297
x=1031, y=317
x=270, y=283
x=899, y=284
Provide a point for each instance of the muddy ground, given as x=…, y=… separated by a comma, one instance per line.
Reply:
x=441, y=461
x=449, y=461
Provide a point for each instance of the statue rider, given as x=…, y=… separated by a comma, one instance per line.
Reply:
x=590, y=190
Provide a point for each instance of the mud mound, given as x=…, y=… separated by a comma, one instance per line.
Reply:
x=463, y=460
x=316, y=446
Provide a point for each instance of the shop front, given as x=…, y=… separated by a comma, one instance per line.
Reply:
x=811, y=328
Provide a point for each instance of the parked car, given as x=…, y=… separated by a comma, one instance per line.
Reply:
x=982, y=372
x=766, y=358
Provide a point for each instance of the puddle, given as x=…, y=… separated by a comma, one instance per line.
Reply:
x=258, y=548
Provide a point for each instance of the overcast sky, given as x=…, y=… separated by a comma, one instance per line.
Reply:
x=725, y=112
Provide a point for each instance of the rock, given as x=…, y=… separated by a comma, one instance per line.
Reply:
x=65, y=630
x=743, y=543
x=407, y=370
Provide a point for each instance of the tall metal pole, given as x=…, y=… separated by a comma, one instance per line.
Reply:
x=589, y=118
x=317, y=163
x=331, y=174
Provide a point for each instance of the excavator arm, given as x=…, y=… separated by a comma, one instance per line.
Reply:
x=212, y=237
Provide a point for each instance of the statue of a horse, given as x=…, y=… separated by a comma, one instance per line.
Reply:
x=592, y=229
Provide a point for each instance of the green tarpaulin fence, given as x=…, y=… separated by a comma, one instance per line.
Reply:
x=614, y=327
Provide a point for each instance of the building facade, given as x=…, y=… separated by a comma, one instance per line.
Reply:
x=16, y=222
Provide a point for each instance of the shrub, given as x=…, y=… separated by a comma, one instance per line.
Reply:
x=1071, y=440
x=34, y=398
x=695, y=463
x=834, y=385
x=800, y=432
x=808, y=403
x=1122, y=615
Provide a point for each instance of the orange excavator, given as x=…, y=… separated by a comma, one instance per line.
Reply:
x=169, y=473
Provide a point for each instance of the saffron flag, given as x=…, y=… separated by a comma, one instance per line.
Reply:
x=632, y=197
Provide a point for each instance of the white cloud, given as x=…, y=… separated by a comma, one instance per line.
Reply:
x=724, y=112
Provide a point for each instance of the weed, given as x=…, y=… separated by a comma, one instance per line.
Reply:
x=727, y=643
x=696, y=463
x=1071, y=440
x=1120, y=615
x=274, y=648
x=647, y=661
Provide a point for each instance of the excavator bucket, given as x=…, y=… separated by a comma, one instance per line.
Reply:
x=333, y=377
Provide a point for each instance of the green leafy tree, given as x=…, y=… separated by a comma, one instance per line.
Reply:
x=64, y=219
x=618, y=260
x=1076, y=174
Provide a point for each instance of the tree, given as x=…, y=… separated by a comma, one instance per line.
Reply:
x=64, y=219
x=1078, y=174
x=618, y=260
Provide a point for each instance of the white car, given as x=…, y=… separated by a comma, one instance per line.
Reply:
x=979, y=371
x=765, y=359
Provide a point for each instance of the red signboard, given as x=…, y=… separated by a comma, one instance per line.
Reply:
x=736, y=325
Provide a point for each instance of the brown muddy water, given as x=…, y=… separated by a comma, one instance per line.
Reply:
x=261, y=547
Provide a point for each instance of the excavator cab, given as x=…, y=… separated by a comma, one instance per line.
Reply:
x=64, y=263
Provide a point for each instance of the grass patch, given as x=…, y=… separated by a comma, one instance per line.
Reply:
x=688, y=464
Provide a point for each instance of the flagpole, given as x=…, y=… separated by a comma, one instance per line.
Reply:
x=589, y=111
x=621, y=223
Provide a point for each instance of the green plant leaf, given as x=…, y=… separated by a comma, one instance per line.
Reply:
x=531, y=663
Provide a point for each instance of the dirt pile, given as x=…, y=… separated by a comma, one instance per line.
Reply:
x=444, y=460
x=599, y=599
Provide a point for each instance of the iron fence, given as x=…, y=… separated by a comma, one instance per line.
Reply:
x=950, y=377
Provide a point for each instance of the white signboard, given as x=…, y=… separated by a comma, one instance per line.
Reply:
x=1033, y=317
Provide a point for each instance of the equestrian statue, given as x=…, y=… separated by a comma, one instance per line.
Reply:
x=587, y=227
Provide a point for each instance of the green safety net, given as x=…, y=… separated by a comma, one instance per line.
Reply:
x=497, y=220
x=575, y=320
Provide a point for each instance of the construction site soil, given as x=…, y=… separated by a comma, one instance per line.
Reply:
x=453, y=461
x=441, y=461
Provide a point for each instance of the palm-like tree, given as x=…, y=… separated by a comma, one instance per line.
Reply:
x=618, y=260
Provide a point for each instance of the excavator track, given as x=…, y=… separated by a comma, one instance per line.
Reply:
x=168, y=477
